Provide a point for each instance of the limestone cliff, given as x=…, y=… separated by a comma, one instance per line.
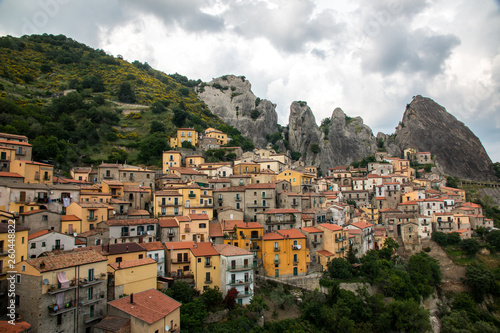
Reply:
x=231, y=98
x=303, y=132
x=427, y=126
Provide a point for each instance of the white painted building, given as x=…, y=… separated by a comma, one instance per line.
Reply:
x=236, y=272
x=49, y=240
x=156, y=251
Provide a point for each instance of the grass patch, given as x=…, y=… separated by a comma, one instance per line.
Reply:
x=458, y=256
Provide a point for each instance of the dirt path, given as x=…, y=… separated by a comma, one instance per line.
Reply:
x=452, y=274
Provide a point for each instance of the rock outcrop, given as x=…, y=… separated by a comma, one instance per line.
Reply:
x=348, y=140
x=303, y=132
x=231, y=98
x=427, y=126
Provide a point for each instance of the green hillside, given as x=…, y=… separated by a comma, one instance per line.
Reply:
x=93, y=124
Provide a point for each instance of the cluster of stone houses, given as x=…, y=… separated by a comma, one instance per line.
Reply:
x=92, y=250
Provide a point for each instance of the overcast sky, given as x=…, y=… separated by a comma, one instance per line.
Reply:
x=367, y=57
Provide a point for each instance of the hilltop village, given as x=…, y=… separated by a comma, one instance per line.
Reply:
x=92, y=251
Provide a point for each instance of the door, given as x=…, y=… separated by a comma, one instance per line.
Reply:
x=295, y=271
x=276, y=273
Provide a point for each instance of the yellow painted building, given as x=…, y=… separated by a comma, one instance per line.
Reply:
x=371, y=214
x=179, y=259
x=134, y=275
x=284, y=253
x=194, y=161
x=71, y=224
x=33, y=172
x=196, y=200
x=7, y=156
x=168, y=203
x=206, y=266
x=184, y=134
x=195, y=229
x=91, y=213
x=324, y=257
x=171, y=158
x=335, y=239
x=248, y=236
x=219, y=135
x=246, y=168
x=18, y=246
x=298, y=180
x=114, y=187
x=94, y=196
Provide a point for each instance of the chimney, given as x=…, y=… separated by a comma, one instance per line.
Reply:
x=132, y=298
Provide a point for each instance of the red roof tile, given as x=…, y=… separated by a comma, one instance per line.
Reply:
x=291, y=233
x=215, y=230
x=325, y=253
x=362, y=224
x=10, y=174
x=282, y=211
x=311, y=229
x=168, y=223
x=204, y=249
x=149, y=306
x=152, y=246
x=132, y=263
x=179, y=245
x=130, y=222
x=70, y=218
x=331, y=226
x=231, y=250
x=38, y=234
x=65, y=259
x=249, y=225
x=198, y=216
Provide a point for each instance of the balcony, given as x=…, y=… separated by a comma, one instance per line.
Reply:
x=254, y=248
x=191, y=195
x=58, y=247
x=237, y=268
x=294, y=204
x=296, y=247
x=315, y=242
x=92, y=218
x=55, y=311
x=182, y=261
x=267, y=196
x=4, y=252
x=276, y=249
x=187, y=229
x=87, y=318
x=87, y=283
x=244, y=294
x=219, y=199
x=240, y=282
x=208, y=264
x=340, y=250
x=171, y=234
x=276, y=261
x=237, y=199
x=107, y=176
x=208, y=281
x=46, y=177
x=56, y=289
x=125, y=234
x=338, y=240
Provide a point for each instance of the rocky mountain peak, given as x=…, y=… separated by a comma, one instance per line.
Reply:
x=427, y=126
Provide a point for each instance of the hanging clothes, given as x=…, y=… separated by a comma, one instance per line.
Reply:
x=66, y=202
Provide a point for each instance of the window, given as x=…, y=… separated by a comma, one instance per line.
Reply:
x=33, y=246
x=207, y=277
x=43, y=244
x=18, y=278
x=207, y=262
x=202, y=225
x=141, y=256
x=45, y=217
x=59, y=319
x=90, y=293
x=91, y=274
x=118, y=259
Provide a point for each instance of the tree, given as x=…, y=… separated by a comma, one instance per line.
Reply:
x=295, y=155
x=179, y=116
x=315, y=148
x=408, y=316
x=454, y=238
x=181, y=292
x=117, y=155
x=230, y=299
x=158, y=107
x=126, y=94
x=212, y=297
x=152, y=147
x=481, y=280
x=390, y=246
x=258, y=304
x=425, y=273
x=493, y=238
x=471, y=246
x=339, y=268
x=193, y=315
x=440, y=237
x=187, y=145
x=156, y=126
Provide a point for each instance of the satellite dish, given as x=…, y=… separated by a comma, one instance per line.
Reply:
x=167, y=328
x=75, y=234
x=45, y=281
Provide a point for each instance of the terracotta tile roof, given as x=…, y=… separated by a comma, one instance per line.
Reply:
x=34, y=211
x=215, y=230
x=133, y=188
x=249, y=225
x=15, y=143
x=168, y=193
x=231, y=250
x=231, y=189
x=38, y=234
x=229, y=225
x=198, y=216
x=331, y=226
x=138, y=212
x=117, y=201
x=219, y=180
x=19, y=327
x=132, y=263
x=179, y=245
x=311, y=229
x=91, y=205
x=168, y=223
x=149, y=306
x=182, y=218
x=362, y=224
x=354, y=231
x=4, y=228
x=380, y=232
x=121, y=248
x=110, y=165
x=112, y=183
x=187, y=171
x=10, y=174
x=282, y=211
x=65, y=259
x=130, y=222
x=112, y=324
x=272, y=236
x=325, y=253
x=204, y=249
x=79, y=242
x=240, y=176
x=152, y=246
x=92, y=232
x=291, y=233
x=70, y=218
x=261, y=186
